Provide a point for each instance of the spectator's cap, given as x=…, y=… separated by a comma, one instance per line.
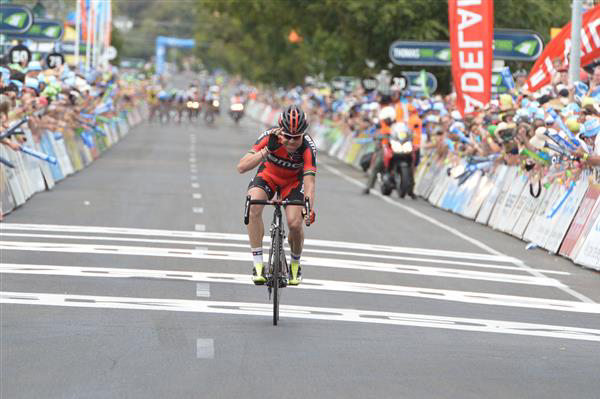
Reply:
x=591, y=127
x=539, y=114
x=456, y=115
x=549, y=120
x=432, y=119
x=17, y=83
x=492, y=129
x=5, y=74
x=32, y=83
x=457, y=127
x=570, y=109
x=525, y=102
x=585, y=101
x=539, y=140
x=34, y=66
x=573, y=125
x=520, y=73
x=562, y=90
x=506, y=101
x=425, y=106
x=438, y=106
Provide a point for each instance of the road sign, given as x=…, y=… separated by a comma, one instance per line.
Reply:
x=54, y=60
x=415, y=81
x=509, y=44
x=19, y=54
x=41, y=30
x=15, y=19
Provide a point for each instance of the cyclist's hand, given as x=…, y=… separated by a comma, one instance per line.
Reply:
x=274, y=142
x=308, y=220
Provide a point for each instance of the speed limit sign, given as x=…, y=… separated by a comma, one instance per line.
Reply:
x=19, y=54
x=54, y=60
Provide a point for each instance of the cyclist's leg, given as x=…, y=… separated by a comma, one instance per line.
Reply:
x=258, y=188
x=293, y=214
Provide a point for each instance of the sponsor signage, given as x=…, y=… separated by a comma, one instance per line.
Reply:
x=471, y=31
x=41, y=30
x=509, y=44
x=541, y=73
x=369, y=83
x=15, y=19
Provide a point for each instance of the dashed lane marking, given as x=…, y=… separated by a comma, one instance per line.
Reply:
x=303, y=312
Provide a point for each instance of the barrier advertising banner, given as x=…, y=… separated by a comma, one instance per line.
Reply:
x=471, y=31
x=560, y=46
x=580, y=220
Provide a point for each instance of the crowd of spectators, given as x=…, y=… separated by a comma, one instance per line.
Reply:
x=552, y=133
x=60, y=99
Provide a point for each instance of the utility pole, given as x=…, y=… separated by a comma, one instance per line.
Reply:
x=575, y=56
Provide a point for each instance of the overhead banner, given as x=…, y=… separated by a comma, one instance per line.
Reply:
x=15, y=18
x=41, y=30
x=509, y=44
x=560, y=47
x=471, y=31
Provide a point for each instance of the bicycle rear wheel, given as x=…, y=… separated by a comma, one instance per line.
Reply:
x=276, y=259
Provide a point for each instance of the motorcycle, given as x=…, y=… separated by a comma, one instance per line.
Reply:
x=236, y=111
x=398, y=161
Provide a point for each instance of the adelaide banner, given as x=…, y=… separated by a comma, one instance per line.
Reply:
x=560, y=47
x=471, y=24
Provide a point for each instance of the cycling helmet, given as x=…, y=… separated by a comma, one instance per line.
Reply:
x=293, y=120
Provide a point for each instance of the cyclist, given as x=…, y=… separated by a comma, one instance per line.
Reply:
x=286, y=158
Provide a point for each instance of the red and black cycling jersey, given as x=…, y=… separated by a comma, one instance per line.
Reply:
x=284, y=165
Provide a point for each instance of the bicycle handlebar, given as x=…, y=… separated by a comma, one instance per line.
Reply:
x=284, y=203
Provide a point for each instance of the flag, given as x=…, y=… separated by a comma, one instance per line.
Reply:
x=471, y=28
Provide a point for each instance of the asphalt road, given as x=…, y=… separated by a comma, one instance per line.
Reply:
x=131, y=279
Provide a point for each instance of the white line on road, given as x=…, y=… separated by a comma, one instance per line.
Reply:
x=303, y=312
x=244, y=238
x=308, y=261
x=195, y=185
x=205, y=348
x=306, y=250
x=455, y=232
x=200, y=227
x=202, y=290
x=198, y=210
x=197, y=196
x=193, y=177
x=481, y=298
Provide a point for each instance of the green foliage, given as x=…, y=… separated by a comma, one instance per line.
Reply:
x=250, y=37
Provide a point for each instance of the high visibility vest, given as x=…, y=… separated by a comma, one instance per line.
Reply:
x=402, y=112
x=416, y=126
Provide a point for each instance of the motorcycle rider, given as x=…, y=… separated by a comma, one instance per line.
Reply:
x=387, y=117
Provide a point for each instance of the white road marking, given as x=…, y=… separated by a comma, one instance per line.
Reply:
x=195, y=185
x=246, y=257
x=202, y=290
x=455, y=232
x=303, y=312
x=198, y=210
x=244, y=238
x=266, y=248
x=205, y=348
x=307, y=284
x=197, y=196
x=200, y=227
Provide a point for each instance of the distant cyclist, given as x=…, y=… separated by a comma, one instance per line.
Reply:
x=287, y=158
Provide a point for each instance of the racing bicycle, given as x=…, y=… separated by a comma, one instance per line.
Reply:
x=277, y=270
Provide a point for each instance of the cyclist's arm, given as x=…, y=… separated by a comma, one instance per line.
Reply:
x=310, y=170
x=256, y=155
x=309, y=189
x=251, y=160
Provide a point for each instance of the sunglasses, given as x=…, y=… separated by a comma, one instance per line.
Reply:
x=291, y=137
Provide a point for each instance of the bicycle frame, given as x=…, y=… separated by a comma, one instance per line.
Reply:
x=277, y=270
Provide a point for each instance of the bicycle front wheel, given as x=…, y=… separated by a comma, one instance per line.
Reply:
x=276, y=259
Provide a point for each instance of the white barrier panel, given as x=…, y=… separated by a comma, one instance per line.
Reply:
x=507, y=184
x=481, y=191
x=60, y=150
x=537, y=230
x=488, y=205
x=508, y=213
x=562, y=220
x=589, y=253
